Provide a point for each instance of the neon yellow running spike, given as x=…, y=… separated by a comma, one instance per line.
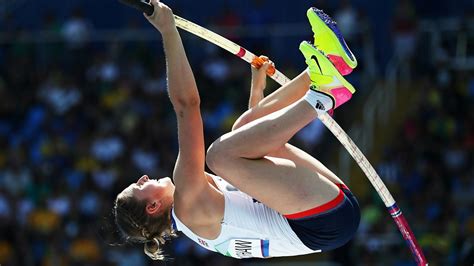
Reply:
x=325, y=78
x=328, y=39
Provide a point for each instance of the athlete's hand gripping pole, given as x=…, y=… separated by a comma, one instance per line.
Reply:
x=326, y=119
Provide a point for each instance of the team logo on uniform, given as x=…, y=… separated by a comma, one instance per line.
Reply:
x=203, y=243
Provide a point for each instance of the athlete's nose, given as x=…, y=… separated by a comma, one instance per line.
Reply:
x=142, y=180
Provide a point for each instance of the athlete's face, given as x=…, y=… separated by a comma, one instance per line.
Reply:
x=153, y=190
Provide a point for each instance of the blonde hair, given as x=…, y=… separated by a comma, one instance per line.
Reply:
x=135, y=225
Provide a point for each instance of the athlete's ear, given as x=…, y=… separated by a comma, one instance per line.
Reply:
x=152, y=208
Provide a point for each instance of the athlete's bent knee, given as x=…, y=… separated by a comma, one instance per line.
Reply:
x=214, y=156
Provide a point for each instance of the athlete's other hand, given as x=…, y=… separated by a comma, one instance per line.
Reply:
x=162, y=18
x=259, y=76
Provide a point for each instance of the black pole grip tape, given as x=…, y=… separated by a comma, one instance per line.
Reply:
x=140, y=5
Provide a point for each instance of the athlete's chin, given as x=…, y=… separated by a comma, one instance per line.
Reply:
x=166, y=183
x=165, y=180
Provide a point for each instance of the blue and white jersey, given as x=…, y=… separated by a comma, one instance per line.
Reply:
x=249, y=229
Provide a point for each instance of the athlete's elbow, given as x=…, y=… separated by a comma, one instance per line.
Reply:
x=185, y=101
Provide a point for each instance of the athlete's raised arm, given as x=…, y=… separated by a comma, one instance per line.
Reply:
x=188, y=176
x=259, y=82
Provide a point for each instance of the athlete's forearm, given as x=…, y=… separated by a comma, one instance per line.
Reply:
x=182, y=87
x=181, y=84
x=256, y=94
x=259, y=82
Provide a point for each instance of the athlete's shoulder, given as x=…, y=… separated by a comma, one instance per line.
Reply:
x=203, y=217
x=203, y=208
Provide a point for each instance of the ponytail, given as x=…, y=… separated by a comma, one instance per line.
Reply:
x=137, y=226
x=152, y=249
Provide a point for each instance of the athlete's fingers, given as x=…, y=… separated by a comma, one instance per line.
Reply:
x=265, y=65
x=259, y=61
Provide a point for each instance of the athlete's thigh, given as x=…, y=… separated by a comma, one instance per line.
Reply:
x=280, y=183
x=300, y=157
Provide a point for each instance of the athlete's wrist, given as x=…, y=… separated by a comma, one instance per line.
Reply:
x=171, y=31
x=257, y=87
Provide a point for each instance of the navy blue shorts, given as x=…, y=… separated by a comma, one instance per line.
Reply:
x=330, y=225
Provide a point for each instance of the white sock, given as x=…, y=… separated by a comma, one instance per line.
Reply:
x=319, y=101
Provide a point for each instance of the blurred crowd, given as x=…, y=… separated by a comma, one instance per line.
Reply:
x=81, y=119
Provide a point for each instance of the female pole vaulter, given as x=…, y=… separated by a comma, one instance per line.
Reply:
x=268, y=198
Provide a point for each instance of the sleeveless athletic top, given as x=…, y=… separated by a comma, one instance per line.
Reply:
x=249, y=229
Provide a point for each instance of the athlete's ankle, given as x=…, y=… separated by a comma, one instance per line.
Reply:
x=318, y=100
